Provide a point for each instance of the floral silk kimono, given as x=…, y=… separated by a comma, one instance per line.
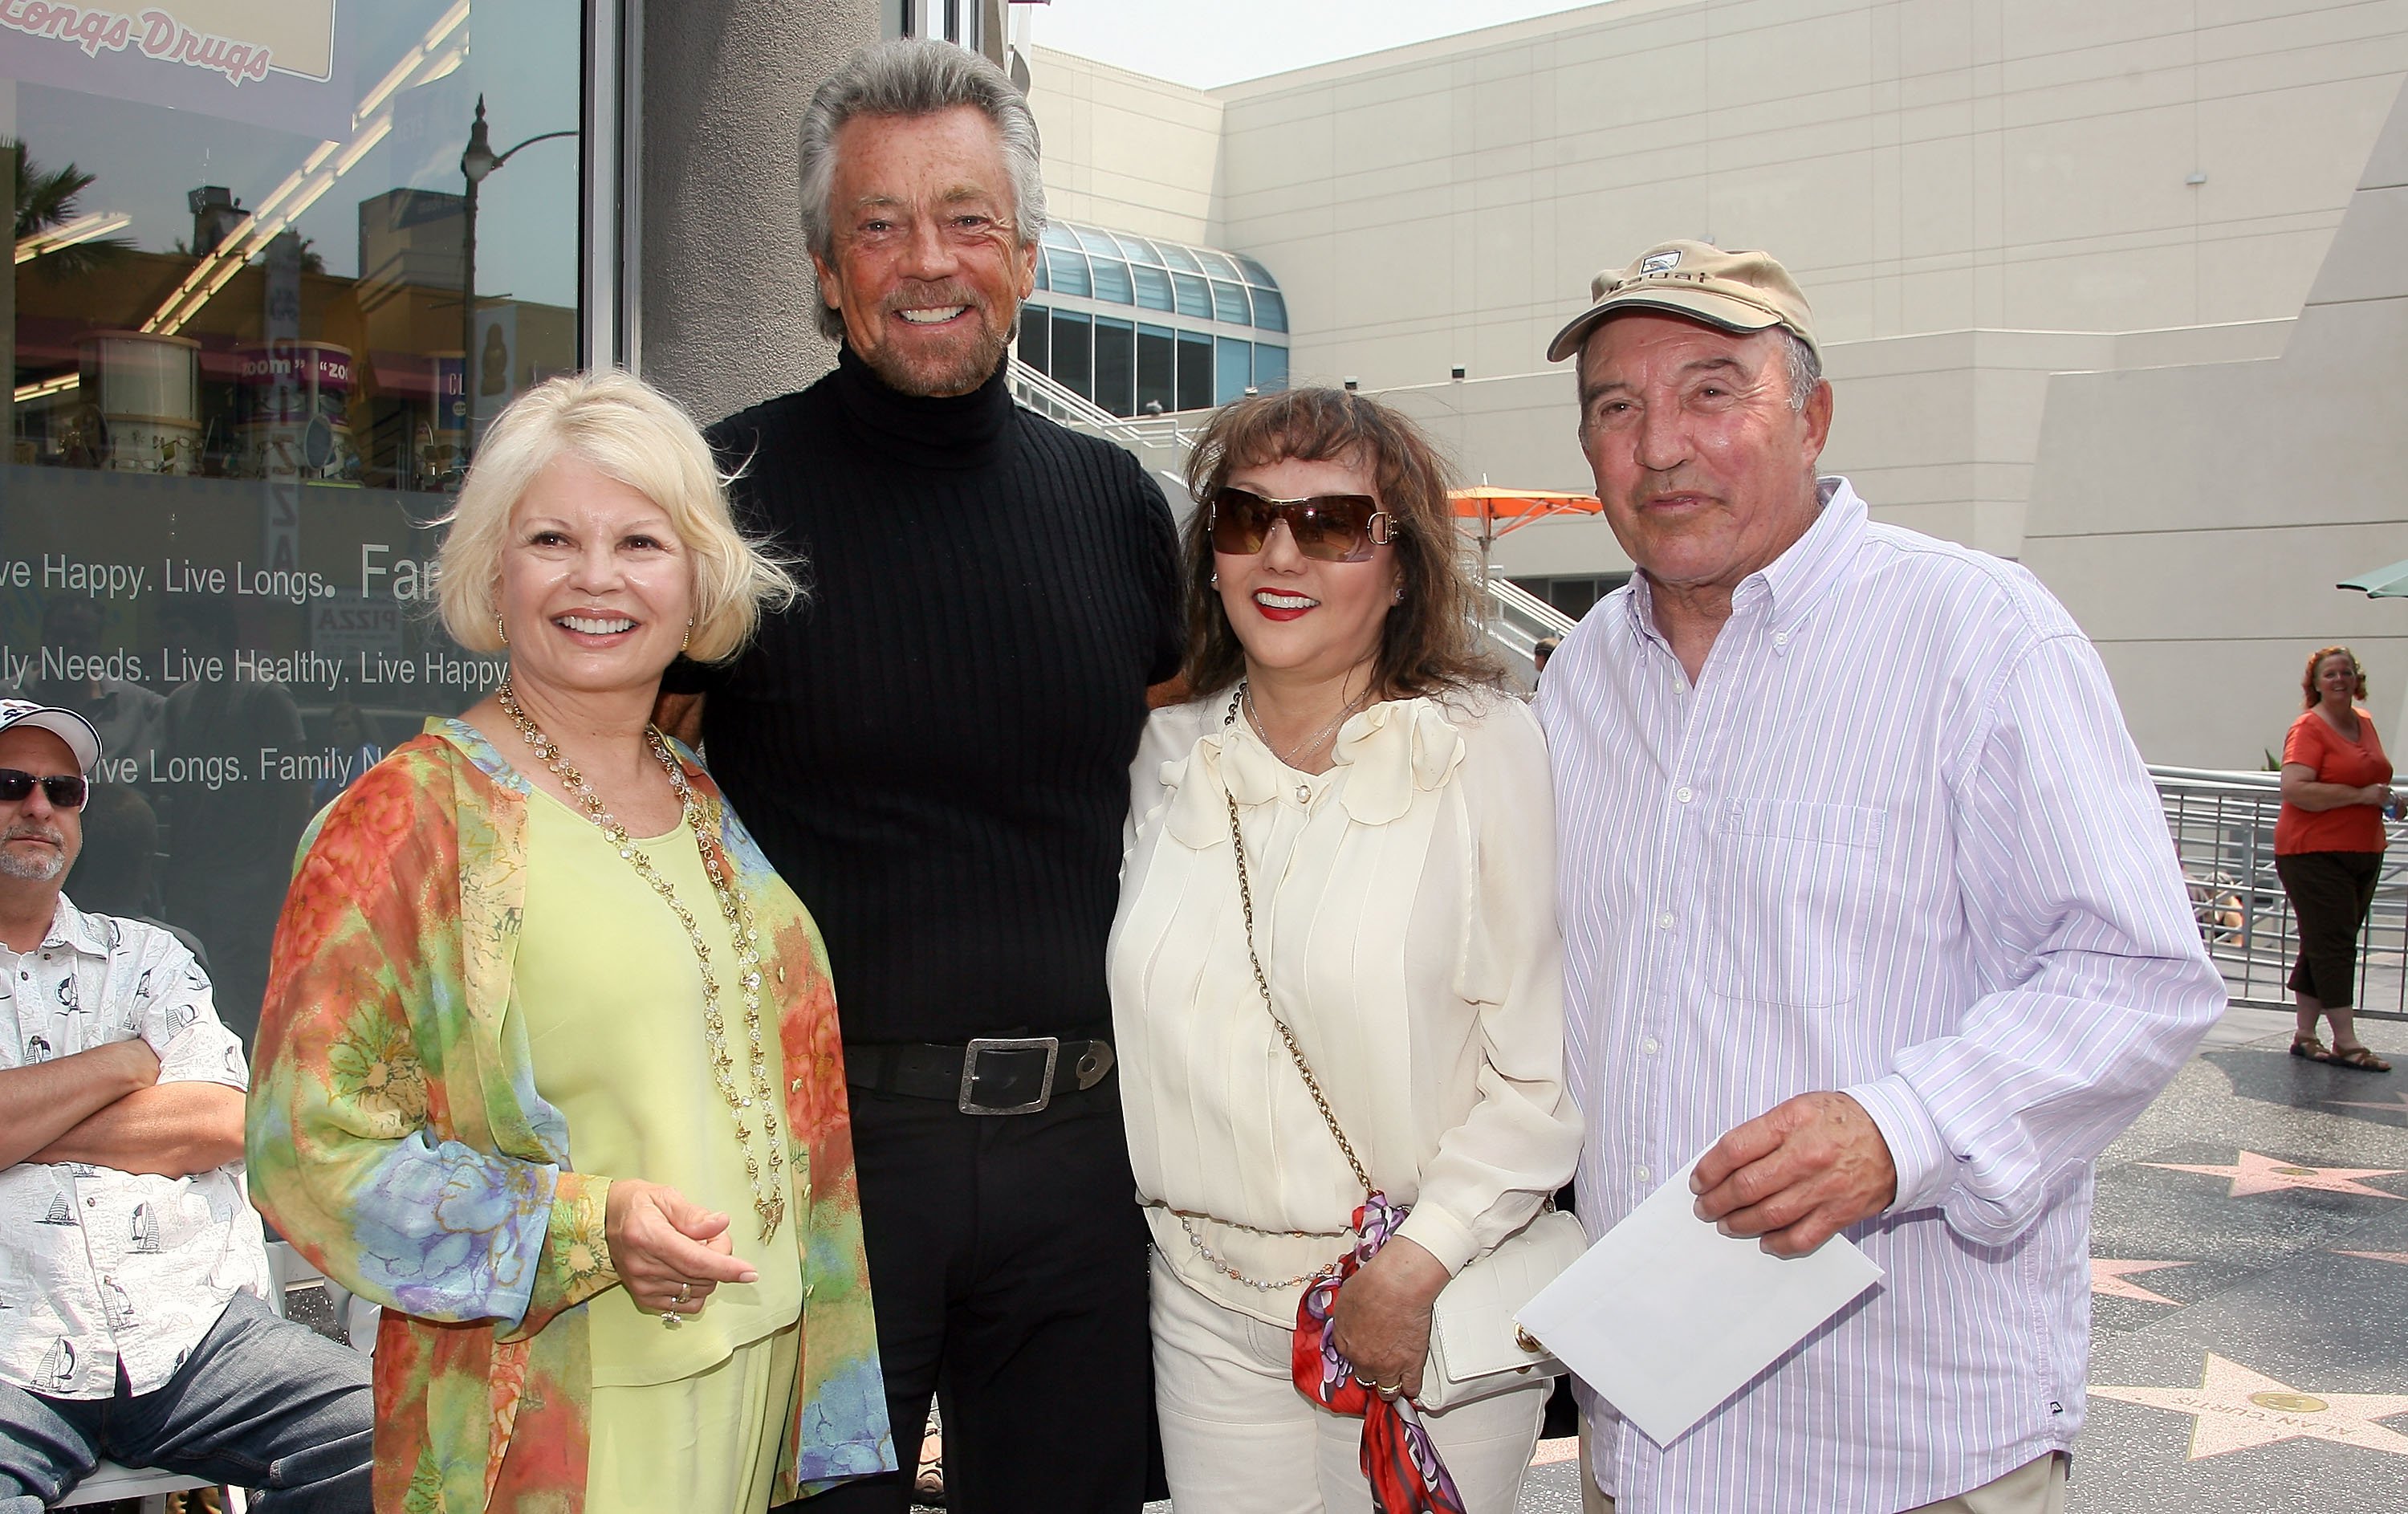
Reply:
x=397, y=1141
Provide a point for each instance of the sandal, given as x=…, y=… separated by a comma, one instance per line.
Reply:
x=2362, y=1058
x=2310, y=1047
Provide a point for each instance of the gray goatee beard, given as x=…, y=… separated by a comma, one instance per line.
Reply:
x=39, y=868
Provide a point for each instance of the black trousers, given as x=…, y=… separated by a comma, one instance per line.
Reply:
x=2330, y=893
x=1008, y=1258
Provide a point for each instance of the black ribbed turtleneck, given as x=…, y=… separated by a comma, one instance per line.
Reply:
x=934, y=750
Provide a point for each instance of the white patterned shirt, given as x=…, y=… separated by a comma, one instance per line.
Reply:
x=100, y=1267
x=1896, y=842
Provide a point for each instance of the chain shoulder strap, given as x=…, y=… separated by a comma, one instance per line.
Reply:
x=1263, y=982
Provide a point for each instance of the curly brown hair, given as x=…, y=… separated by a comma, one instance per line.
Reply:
x=1428, y=643
x=2316, y=659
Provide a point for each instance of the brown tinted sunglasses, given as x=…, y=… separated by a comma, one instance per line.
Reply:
x=1328, y=527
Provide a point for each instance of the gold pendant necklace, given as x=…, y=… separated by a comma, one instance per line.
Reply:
x=769, y=1200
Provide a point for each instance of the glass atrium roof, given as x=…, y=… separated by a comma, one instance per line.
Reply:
x=1201, y=283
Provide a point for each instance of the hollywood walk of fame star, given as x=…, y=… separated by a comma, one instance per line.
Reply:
x=2234, y=1408
x=2254, y=1173
x=2396, y=1104
x=2107, y=1279
x=2400, y=1257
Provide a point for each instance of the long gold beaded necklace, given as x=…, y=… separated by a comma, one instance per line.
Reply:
x=769, y=1200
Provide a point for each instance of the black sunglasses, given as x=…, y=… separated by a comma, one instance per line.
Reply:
x=1328, y=527
x=64, y=790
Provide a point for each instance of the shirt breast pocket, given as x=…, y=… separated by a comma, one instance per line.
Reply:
x=1788, y=900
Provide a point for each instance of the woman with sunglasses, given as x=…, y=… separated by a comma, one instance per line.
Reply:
x=1334, y=970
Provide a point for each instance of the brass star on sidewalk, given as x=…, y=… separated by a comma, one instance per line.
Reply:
x=2107, y=1279
x=2254, y=1173
x=2235, y=1408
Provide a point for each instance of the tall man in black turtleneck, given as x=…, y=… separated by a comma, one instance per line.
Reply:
x=933, y=751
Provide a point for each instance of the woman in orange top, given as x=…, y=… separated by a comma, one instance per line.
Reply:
x=2328, y=848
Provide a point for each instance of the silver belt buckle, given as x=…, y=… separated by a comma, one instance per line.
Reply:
x=1050, y=1044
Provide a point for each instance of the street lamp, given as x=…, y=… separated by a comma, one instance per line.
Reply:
x=478, y=161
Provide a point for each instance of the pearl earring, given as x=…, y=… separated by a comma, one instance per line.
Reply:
x=1216, y=579
x=1400, y=598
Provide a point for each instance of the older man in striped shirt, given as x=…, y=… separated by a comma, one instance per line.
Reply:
x=1866, y=897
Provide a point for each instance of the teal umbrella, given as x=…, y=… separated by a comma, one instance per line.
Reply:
x=2383, y=584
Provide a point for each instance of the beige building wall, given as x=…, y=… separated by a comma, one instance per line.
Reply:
x=1123, y=150
x=1966, y=188
x=2194, y=520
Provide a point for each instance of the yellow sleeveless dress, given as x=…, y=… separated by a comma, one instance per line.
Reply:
x=611, y=994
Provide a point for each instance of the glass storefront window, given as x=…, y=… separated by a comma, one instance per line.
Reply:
x=1157, y=384
x=244, y=381
x=1036, y=329
x=1116, y=365
x=1195, y=372
x=1271, y=366
x=1073, y=352
x=1233, y=368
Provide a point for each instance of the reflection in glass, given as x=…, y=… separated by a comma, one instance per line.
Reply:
x=241, y=367
x=1036, y=328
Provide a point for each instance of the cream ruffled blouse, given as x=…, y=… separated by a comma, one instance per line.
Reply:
x=1404, y=910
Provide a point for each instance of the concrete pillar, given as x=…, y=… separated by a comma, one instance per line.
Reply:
x=728, y=314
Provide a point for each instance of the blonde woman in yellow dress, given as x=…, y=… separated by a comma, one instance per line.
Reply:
x=550, y=1065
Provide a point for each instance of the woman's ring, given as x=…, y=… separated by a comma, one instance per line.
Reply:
x=683, y=1290
x=1388, y=1390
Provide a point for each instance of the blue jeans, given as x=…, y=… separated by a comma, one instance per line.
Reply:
x=262, y=1403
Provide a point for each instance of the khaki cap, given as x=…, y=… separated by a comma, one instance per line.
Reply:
x=1736, y=291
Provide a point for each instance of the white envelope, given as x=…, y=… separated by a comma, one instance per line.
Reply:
x=1666, y=1316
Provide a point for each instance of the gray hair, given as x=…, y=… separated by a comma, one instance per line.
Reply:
x=913, y=76
x=1805, y=369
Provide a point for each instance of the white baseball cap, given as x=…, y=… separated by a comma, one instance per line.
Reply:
x=66, y=725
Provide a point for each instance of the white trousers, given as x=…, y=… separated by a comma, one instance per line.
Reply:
x=1238, y=1438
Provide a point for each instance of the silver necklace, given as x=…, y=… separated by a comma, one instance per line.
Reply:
x=1255, y=718
x=769, y=1198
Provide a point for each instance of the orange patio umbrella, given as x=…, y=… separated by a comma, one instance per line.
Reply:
x=1503, y=510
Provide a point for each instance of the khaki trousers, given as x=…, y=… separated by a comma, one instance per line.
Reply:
x=2037, y=1487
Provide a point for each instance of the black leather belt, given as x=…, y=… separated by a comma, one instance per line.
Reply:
x=991, y=1075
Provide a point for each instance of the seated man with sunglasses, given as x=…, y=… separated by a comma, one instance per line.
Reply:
x=133, y=1324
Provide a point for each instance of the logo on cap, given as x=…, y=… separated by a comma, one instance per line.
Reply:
x=1659, y=262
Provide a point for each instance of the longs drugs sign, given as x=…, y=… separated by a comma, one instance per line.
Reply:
x=191, y=54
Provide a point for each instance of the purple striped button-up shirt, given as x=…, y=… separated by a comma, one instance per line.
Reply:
x=1895, y=842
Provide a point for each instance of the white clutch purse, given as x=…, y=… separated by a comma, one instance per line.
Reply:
x=1476, y=1349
